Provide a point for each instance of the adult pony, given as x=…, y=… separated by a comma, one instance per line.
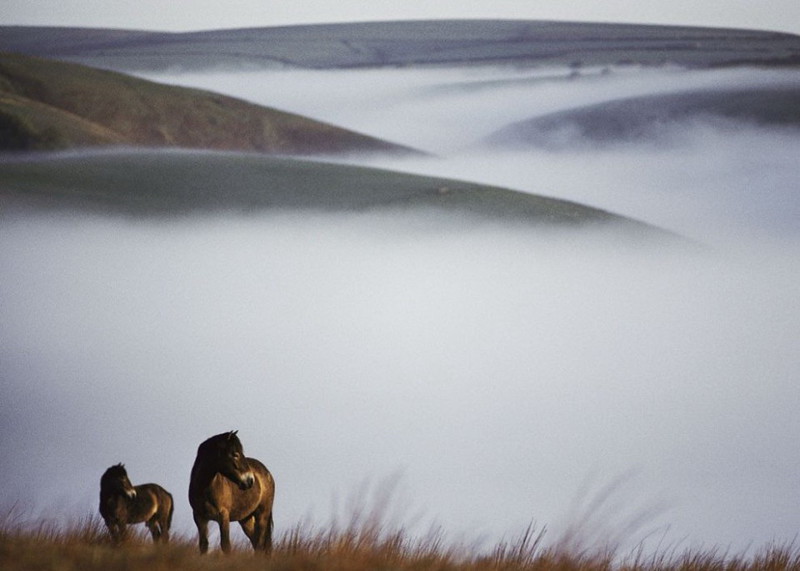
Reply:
x=122, y=503
x=226, y=486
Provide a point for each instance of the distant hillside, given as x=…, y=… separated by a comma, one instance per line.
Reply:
x=409, y=43
x=651, y=116
x=153, y=182
x=48, y=104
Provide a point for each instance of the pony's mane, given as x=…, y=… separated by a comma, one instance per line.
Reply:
x=230, y=435
x=116, y=470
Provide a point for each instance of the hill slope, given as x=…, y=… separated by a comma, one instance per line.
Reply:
x=153, y=182
x=405, y=43
x=652, y=116
x=48, y=104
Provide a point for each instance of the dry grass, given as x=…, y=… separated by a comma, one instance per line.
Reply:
x=366, y=541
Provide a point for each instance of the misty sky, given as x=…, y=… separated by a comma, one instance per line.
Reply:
x=780, y=15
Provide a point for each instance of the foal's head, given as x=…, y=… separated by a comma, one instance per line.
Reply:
x=115, y=481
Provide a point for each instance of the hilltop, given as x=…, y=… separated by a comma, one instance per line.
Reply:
x=409, y=43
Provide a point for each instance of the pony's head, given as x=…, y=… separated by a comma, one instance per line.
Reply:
x=115, y=480
x=226, y=454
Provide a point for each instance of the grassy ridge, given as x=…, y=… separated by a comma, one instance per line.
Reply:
x=153, y=182
x=367, y=546
x=47, y=105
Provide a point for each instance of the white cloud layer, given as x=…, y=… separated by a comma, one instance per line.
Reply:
x=497, y=370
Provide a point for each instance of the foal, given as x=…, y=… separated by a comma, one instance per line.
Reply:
x=122, y=503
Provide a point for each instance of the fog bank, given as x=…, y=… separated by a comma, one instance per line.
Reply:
x=444, y=110
x=710, y=182
x=498, y=371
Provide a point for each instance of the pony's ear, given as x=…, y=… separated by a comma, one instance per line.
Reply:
x=232, y=434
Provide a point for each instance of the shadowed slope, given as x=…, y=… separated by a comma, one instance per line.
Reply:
x=655, y=116
x=54, y=105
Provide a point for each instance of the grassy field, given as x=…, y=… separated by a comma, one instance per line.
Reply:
x=364, y=544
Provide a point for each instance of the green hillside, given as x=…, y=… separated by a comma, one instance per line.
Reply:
x=47, y=105
x=167, y=183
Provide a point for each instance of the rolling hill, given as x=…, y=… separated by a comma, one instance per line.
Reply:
x=654, y=116
x=46, y=105
x=153, y=182
x=409, y=43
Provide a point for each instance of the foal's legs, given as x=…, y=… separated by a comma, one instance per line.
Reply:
x=164, y=532
x=116, y=530
x=155, y=529
x=164, y=518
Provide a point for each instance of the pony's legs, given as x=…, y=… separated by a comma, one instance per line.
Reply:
x=262, y=536
x=249, y=528
x=224, y=522
x=265, y=533
x=258, y=529
x=202, y=533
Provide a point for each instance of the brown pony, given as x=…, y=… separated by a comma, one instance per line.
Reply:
x=226, y=486
x=122, y=503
